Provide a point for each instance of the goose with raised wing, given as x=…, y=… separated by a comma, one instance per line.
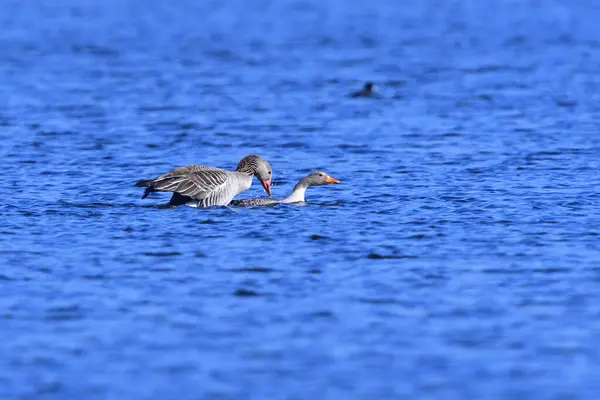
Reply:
x=203, y=186
x=315, y=179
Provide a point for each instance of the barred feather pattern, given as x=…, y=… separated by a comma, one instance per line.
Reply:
x=258, y=201
x=208, y=185
x=249, y=164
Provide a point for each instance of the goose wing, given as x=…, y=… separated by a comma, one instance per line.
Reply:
x=195, y=181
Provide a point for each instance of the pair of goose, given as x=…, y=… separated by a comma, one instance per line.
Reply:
x=208, y=186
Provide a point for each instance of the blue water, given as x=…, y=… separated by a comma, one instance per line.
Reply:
x=458, y=259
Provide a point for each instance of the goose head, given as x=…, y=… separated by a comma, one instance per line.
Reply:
x=259, y=167
x=319, y=178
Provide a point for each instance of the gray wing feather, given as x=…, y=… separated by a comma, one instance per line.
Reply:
x=258, y=201
x=195, y=181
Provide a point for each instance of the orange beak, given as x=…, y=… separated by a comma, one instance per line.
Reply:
x=267, y=186
x=331, y=180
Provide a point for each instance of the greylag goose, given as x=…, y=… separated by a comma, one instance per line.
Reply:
x=297, y=196
x=208, y=186
x=367, y=91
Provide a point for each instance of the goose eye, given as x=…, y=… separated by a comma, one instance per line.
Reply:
x=269, y=172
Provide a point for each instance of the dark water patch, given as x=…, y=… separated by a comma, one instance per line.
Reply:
x=60, y=212
x=279, y=182
x=552, y=270
x=222, y=55
x=96, y=50
x=65, y=313
x=334, y=204
x=476, y=171
x=246, y=293
x=161, y=269
x=6, y=122
x=188, y=126
x=319, y=237
x=321, y=107
x=261, y=128
x=577, y=150
x=163, y=254
x=170, y=126
x=504, y=222
x=483, y=69
x=93, y=147
x=159, y=108
x=349, y=146
x=94, y=277
x=325, y=314
x=434, y=277
x=485, y=97
x=377, y=300
x=309, y=128
x=522, y=129
x=376, y=256
x=542, y=156
x=260, y=270
x=451, y=134
x=395, y=83
x=55, y=133
x=457, y=199
x=505, y=271
x=256, y=235
x=566, y=103
x=294, y=145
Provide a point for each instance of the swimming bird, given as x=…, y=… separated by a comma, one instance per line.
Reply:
x=367, y=91
x=208, y=186
x=315, y=179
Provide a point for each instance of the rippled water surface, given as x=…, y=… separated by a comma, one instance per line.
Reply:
x=458, y=258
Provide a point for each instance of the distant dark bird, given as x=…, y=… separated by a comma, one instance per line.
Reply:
x=367, y=91
x=315, y=179
x=208, y=186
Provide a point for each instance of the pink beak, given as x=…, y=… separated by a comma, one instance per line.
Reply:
x=267, y=186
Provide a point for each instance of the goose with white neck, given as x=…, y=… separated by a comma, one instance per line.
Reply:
x=315, y=179
x=204, y=186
